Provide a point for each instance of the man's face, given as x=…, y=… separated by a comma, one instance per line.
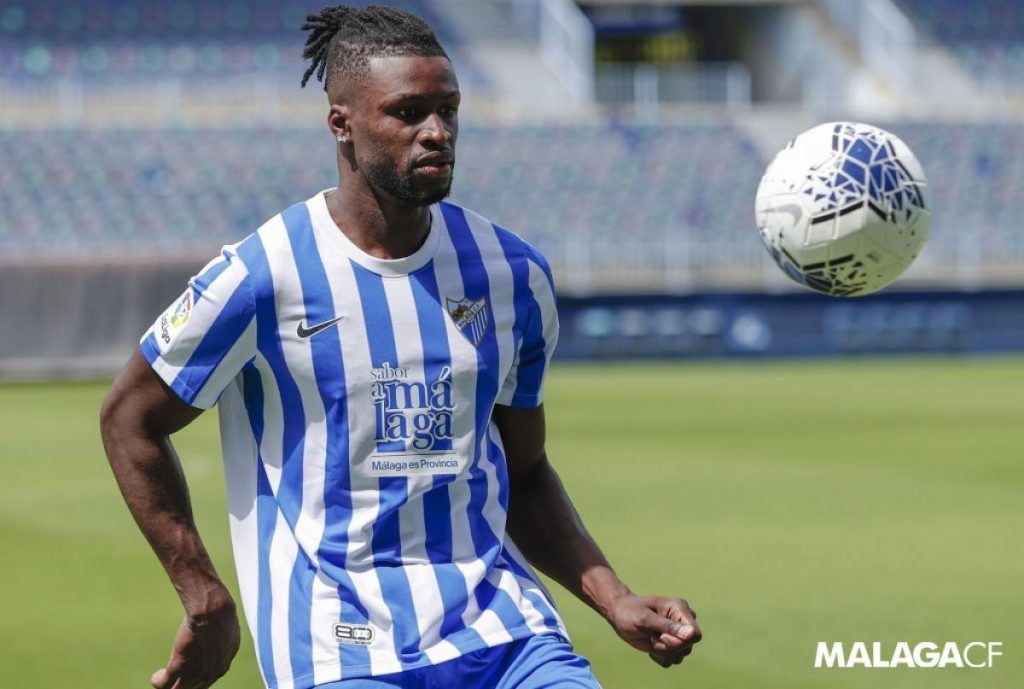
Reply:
x=404, y=126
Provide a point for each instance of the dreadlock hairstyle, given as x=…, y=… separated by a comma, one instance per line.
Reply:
x=342, y=39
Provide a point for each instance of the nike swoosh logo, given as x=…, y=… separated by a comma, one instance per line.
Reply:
x=791, y=209
x=305, y=332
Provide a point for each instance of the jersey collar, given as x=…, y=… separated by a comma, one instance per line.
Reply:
x=329, y=232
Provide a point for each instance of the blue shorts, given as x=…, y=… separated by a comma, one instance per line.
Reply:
x=537, y=662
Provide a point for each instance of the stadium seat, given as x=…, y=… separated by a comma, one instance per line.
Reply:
x=606, y=186
x=987, y=35
x=136, y=40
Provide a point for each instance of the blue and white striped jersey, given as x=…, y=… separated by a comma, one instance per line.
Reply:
x=367, y=485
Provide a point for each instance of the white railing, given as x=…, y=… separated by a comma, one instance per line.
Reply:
x=647, y=86
x=678, y=260
x=565, y=38
x=253, y=99
x=882, y=34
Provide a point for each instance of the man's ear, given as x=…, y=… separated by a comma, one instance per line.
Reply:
x=338, y=120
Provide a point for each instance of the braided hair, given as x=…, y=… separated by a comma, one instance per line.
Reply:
x=342, y=39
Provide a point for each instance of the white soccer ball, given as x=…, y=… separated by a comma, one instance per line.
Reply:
x=844, y=208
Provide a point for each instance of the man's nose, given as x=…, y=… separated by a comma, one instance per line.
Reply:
x=434, y=130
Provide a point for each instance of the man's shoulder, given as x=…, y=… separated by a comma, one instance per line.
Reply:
x=513, y=246
x=260, y=245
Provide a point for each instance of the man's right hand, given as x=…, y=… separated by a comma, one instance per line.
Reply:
x=203, y=649
x=139, y=414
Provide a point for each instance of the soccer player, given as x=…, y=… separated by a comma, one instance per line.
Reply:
x=378, y=358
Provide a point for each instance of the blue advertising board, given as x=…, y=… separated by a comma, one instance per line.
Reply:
x=790, y=324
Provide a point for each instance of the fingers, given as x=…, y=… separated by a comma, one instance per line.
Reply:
x=202, y=653
x=169, y=678
x=680, y=612
x=666, y=628
x=668, y=650
x=172, y=677
x=669, y=659
x=674, y=628
x=159, y=679
x=163, y=679
x=684, y=630
x=180, y=674
x=670, y=647
x=666, y=641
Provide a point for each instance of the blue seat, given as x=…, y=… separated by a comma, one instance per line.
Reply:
x=194, y=189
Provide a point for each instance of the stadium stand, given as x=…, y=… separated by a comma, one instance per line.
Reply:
x=987, y=35
x=633, y=189
x=99, y=40
x=976, y=173
x=136, y=138
x=140, y=188
x=601, y=198
x=630, y=185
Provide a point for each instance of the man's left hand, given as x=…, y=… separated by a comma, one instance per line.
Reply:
x=666, y=628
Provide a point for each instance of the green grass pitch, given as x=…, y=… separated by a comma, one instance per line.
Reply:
x=789, y=502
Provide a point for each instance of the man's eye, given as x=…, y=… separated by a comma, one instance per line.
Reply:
x=449, y=110
x=408, y=113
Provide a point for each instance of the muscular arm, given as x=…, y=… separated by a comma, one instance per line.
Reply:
x=138, y=415
x=547, y=528
x=543, y=521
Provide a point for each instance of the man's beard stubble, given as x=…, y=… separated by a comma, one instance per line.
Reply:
x=385, y=176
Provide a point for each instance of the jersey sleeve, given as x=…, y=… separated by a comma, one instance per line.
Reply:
x=524, y=384
x=201, y=342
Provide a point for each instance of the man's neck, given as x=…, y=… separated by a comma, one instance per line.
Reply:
x=381, y=228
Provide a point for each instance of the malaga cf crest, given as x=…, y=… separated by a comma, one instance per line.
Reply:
x=470, y=317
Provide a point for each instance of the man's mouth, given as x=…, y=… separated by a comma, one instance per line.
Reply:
x=442, y=170
x=435, y=163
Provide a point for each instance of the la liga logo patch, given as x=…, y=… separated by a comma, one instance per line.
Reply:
x=175, y=317
x=470, y=317
x=182, y=310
